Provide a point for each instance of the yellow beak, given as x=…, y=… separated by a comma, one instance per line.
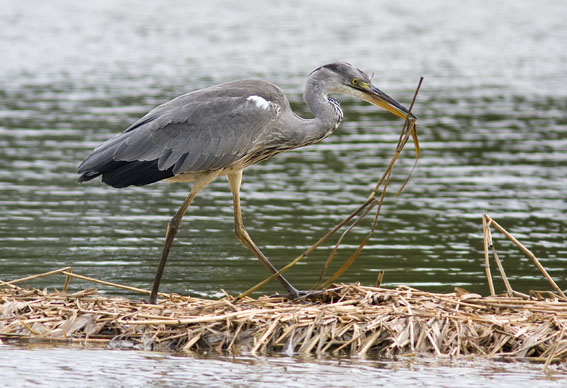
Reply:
x=377, y=97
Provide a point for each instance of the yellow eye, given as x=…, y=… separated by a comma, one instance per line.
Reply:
x=354, y=81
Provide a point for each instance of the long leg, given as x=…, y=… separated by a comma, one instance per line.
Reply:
x=173, y=227
x=235, y=179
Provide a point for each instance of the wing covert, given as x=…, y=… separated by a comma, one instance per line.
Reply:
x=204, y=130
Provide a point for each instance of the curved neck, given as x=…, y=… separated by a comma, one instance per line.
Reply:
x=327, y=111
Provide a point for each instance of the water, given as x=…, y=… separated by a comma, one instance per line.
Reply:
x=105, y=368
x=492, y=113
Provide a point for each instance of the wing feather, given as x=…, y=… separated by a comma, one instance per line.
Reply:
x=205, y=130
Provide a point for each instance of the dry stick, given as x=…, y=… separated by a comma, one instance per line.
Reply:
x=401, y=143
x=411, y=130
x=268, y=279
x=13, y=286
x=385, y=180
x=404, y=136
x=348, y=262
x=509, y=290
x=192, y=342
x=306, y=252
x=346, y=318
x=416, y=144
x=262, y=341
x=353, y=257
x=529, y=254
x=553, y=350
x=369, y=201
x=485, y=232
x=134, y=289
x=67, y=281
x=40, y=275
x=372, y=203
x=29, y=328
x=245, y=314
x=490, y=243
x=380, y=278
x=59, y=339
x=369, y=342
x=520, y=294
x=336, y=228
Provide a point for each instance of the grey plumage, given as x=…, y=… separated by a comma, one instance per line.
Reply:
x=217, y=127
x=204, y=130
x=222, y=129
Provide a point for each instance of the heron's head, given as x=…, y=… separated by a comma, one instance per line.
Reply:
x=344, y=78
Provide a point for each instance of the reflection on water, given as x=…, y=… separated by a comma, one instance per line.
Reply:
x=66, y=367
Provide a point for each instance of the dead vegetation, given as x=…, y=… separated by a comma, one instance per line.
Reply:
x=349, y=320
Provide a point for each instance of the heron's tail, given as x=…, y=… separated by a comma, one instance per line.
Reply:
x=120, y=173
x=123, y=174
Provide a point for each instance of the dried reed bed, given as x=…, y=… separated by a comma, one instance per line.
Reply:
x=351, y=320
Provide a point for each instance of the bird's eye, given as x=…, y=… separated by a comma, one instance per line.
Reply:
x=354, y=81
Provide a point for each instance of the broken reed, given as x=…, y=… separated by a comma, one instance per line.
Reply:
x=350, y=320
x=487, y=222
x=409, y=128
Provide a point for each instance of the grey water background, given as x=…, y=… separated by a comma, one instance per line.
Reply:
x=493, y=127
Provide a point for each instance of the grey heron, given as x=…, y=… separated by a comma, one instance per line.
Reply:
x=222, y=129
